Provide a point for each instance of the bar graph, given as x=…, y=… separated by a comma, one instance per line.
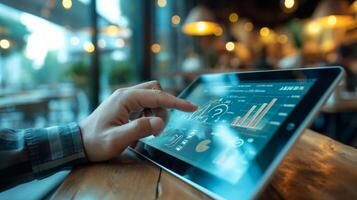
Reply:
x=247, y=115
x=254, y=116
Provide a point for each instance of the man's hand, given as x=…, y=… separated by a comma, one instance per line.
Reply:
x=126, y=116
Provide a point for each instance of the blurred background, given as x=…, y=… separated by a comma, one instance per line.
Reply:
x=60, y=58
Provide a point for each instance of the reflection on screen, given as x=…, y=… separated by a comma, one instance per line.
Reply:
x=231, y=125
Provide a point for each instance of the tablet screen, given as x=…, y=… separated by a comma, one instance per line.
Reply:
x=232, y=124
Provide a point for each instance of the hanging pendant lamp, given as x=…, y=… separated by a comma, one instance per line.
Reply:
x=200, y=22
x=334, y=14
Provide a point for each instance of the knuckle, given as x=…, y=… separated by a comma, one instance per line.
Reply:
x=159, y=92
x=175, y=103
x=138, y=125
x=162, y=95
x=141, y=125
x=108, y=144
x=156, y=84
x=119, y=91
x=121, y=97
x=123, y=93
x=158, y=97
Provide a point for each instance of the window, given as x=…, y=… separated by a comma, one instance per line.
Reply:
x=47, y=53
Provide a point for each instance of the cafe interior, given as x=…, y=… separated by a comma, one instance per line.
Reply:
x=59, y=59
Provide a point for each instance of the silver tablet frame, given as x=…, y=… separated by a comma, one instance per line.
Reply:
x=284, y=151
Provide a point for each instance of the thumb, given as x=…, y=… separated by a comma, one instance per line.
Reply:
x=136, y=129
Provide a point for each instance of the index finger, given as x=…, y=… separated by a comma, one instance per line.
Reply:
x=141, y=98
x=148, y=85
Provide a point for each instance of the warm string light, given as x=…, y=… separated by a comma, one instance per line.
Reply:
x=289, y=4
x=88, y=47
x=264, y=32
x=233, y=17
x=67, y=4
x=5, y=44
x=175, y=20
x=230, y=46
x=161, y=3
x=155, y=48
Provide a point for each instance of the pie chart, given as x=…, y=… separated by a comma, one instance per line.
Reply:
x=203, y=146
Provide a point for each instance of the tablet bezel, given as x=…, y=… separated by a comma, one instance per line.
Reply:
x=326, y=78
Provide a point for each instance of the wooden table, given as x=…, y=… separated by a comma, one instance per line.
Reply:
x=316, y=168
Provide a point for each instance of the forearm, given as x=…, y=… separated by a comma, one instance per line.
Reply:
x=37, y=153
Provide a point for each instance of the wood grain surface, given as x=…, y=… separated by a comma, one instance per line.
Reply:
x=316, y=168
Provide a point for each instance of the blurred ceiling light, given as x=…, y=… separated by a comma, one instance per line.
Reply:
x=200, y=21
x=161, y=3
x=264, y=32
x=312, y=28
x=5, y=44
x=102, y=43
x=233, y=17
x=67, y=4
x=175, y=19
x=334, y=14
x=120, y=43
x=283, y=39
x=111, y=30
x=230, y=46
x=74, y=41
x=289, y=4
x=155, y=48
x=88, y=47
x=248, y=26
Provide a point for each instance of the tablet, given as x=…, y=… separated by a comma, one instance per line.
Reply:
x=244, y=125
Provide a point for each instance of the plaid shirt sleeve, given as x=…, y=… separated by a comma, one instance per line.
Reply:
x=36, y=153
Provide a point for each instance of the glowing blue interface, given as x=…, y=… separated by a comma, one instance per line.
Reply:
x=232, y=124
